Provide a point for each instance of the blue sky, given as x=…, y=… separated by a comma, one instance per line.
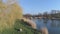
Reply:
x=39, y=6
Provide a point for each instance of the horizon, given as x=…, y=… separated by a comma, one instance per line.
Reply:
x=39, y=6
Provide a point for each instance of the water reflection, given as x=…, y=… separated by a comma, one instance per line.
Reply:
x=55, y=23
x=52, y=25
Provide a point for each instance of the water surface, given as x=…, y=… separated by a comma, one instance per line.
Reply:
x=52, y=25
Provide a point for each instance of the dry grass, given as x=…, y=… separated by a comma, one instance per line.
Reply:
x=8, y=15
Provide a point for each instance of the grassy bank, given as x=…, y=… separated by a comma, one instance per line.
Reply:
x=26, y=29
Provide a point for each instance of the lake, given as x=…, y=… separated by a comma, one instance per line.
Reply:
x=52, y=25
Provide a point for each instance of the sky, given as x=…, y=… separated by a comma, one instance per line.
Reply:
x=39, y=6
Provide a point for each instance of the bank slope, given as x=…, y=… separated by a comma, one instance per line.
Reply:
x=20, y=28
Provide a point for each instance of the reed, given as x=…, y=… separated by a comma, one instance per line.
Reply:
x=8, y=15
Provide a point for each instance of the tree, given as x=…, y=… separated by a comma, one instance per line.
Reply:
x=45, y=14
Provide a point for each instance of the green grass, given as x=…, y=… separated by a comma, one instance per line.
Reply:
x=26, y=29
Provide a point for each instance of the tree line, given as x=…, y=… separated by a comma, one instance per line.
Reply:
x=51, y=14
